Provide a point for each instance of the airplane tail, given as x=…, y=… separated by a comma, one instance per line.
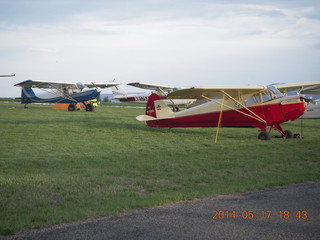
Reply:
x=156, y=109
x=118, y=90
x=27, y=95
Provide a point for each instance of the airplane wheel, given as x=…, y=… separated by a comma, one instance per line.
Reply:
x=289, y=134
x=72, y=107
x=89, y=107
x=175, y=109
x=264, y=136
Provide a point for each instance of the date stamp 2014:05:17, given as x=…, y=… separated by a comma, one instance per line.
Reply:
x=265, y=214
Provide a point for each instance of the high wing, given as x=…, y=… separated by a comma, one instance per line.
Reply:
x=60, y=85
x=101, y=85
x=46, y=84
x=213, y=92
x=152, y=86
x=307, y=88
x=7, y=75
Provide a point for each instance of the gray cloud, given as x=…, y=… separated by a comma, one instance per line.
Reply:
x=178, y=43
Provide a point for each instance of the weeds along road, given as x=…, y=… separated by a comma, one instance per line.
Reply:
x=287, y=212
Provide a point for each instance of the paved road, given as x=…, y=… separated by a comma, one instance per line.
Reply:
x=194, y=219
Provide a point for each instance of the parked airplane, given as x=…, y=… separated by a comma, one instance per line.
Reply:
x=61, y=92
x=313, y=110
x=121, y=95
x=228, y=107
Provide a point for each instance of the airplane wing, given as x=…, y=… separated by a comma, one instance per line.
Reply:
x=213, y=92
x=306, y=88
x=101, y=85
x=45, y=84
x=60, y=85
x=7, y=75
x=152, y=86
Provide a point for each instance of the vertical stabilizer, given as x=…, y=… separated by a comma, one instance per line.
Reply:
x=157, y=108
x=118, y=90
x=27, y=95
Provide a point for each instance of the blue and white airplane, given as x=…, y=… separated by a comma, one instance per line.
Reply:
x=61, y=92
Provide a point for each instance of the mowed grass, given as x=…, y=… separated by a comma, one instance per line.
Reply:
x=59, y=166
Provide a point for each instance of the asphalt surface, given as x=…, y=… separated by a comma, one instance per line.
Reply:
x=288, y=212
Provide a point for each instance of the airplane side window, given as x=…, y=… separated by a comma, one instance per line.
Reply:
x=271, y=93
x=274, y=92
x=65, y=91
x=253, y=100
x=266, y=96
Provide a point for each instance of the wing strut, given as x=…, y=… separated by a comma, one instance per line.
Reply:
x=63, y=94
x=163, y=92
x=220, y=118
x=258, y=118
x=254, y=115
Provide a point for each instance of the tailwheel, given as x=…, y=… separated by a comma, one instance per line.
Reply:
x=175, y=109
x=288, y=133
x=264, y=136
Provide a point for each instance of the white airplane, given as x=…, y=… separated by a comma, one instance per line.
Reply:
x=121, y=95
x=61, y=92
x=313, y=110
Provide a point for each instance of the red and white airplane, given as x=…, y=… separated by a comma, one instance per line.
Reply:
x=259, y=107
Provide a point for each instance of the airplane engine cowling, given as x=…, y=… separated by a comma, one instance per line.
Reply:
x=293, y=108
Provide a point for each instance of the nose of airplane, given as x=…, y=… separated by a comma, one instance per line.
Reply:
x=98, y=89
x=294, y=108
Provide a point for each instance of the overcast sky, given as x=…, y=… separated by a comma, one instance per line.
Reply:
x=169, y=42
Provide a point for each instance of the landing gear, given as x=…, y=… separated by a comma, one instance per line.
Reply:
x=284, y=133
x=89, y=107
x=264, y=136
x=288, y=133
x=72, y=107
x=175, y=109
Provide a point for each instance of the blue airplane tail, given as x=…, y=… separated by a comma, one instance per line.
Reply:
x=27, y=95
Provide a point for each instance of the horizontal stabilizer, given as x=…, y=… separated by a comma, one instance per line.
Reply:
x=144, y=118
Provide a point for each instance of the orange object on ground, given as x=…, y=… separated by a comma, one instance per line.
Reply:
x=64, y=106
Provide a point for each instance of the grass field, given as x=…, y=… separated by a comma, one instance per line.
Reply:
x=59, y=166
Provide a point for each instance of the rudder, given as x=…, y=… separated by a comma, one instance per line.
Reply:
x=118, y=90
x=27, y=95
x=156, y=107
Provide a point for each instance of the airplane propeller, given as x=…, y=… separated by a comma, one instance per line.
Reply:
x=98, y=88
x=308, y=99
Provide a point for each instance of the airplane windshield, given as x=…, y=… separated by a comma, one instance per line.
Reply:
x=271, y=93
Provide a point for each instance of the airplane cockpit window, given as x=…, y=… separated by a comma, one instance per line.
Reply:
x=271, y=93
x=254, y=99
x=276, y=92
x=65, y=92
